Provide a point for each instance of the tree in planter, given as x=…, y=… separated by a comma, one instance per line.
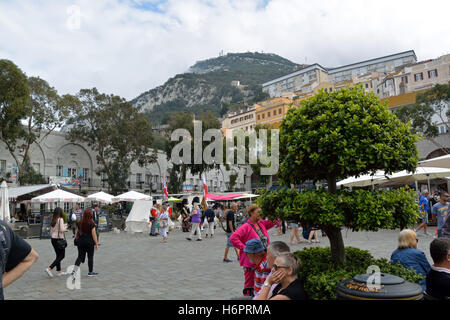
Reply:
x=116, y=131
x=332, y=136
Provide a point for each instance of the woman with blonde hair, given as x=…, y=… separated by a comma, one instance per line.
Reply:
x=285, y=270
x=409, y=256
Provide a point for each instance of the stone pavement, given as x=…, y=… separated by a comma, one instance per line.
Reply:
x=136, y=266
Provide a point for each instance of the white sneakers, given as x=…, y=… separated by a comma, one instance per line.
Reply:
x=49, y=272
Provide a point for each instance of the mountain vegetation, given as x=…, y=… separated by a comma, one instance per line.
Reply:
x=207, y=86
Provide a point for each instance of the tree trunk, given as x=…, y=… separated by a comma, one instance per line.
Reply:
x=334, y=234
x=336, y=244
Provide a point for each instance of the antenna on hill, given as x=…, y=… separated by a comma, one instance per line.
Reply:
x=221, y=53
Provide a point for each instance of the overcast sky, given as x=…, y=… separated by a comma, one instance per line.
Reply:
x=127, y=47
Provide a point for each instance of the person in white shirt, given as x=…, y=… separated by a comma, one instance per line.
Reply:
x=164, y=222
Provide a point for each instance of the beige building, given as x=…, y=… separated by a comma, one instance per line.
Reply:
x=415, y=77
x=243, y=119
x=309, y=80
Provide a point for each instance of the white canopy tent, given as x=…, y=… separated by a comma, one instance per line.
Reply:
x=421, y=173
x=440, y=162
x=58, y=195
x=4, y=203
x=131, y=196
x=138, y=218
x=363, y=181
x=101, y=196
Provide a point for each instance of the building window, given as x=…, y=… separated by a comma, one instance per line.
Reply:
x=246, y=128
x=268, y=114
x=274, y=112
x=331, y=89
x=250, y=127
x=2, y=168
x=263, y=115
x=257, y=117
x=138, y=177
x=85, y=174
x=432, y=73
x=72, y=172
x=326, y=90
x=279, y=111
x=59, y=171
x=418, y=76
x=405, y=79
x=367, y=86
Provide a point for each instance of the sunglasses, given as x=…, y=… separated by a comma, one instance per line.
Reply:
x=276, y=267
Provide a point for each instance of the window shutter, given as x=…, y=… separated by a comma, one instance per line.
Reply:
x=80, y=173
x=65, y=172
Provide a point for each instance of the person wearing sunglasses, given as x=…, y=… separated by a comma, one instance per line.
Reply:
x=409, y=256
x=284, y=274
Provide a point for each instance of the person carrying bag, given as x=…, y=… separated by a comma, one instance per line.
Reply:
x=59, y=242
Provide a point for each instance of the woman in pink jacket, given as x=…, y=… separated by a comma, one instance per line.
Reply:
x=254, y=228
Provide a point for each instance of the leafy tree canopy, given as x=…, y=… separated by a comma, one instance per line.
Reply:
x=116, y=131
x=343, y=133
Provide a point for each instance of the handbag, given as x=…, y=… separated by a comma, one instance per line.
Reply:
x=61, y=243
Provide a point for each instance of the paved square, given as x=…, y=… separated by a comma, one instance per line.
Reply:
x=136, y=266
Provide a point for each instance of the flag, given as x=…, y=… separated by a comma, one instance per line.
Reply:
x=205, y=187
x=166, y=194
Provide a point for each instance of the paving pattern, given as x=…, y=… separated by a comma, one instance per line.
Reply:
x=136, y=266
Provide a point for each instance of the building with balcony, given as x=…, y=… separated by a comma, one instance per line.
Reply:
x=310, y=79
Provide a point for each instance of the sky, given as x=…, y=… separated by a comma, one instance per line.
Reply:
x=127, y=47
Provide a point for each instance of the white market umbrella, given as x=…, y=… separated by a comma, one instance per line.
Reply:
x=58, y=195
x=4, y=203
x=131, y=196
x=101, y=196
x=421, y=173
x=247, y=195
x=363, y=181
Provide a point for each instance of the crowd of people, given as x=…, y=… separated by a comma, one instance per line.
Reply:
x=435, y=206
x=269, y=268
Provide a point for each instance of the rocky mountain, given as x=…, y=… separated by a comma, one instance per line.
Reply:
x=215, y=85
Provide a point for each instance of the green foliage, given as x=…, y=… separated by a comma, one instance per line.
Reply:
x=233, y=179
x=14, y=97
x=321, y=276
x=215, y=75
x=428, y=104
x=29, y=176
x=118, y=133
x=343, y=133
x=183, y=120
x=369, y=210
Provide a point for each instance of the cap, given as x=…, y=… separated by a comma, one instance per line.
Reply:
x=254, y=246
x=158, y=201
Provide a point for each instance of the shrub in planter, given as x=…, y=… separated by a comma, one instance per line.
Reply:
x=321, y=277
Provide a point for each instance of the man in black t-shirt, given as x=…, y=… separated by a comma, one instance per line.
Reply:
x=16, y=256
x=230, y=229
x=438, y=278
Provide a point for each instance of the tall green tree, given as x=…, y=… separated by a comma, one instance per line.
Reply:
x=116, y=131
x=183, y=120
x=336, y=135
x=432, y=103
x=14, y=100
x=46, y=111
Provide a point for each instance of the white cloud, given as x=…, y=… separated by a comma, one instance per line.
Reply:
x=126, y=50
